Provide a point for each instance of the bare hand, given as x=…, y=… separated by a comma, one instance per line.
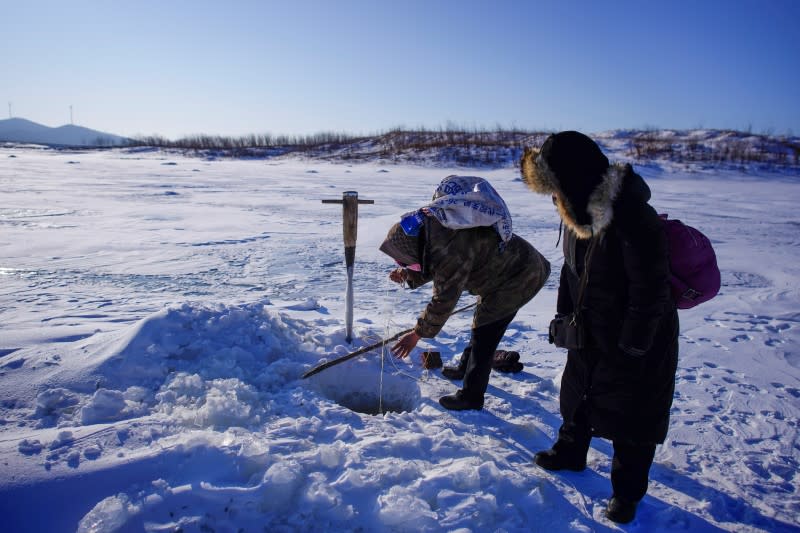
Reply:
x=406, y=343
x=398, y=275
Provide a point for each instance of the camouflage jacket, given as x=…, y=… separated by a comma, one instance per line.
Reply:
x=471, y=260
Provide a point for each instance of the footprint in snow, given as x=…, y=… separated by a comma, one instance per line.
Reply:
x=13, y=365
x=778, y=328
x=92, y=452
x=30, y=447
x=749, y=387
x=725, y=430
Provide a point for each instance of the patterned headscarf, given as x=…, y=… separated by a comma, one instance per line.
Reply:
x=461, y=202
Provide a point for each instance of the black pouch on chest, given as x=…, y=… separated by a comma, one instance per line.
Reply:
x=568, y=331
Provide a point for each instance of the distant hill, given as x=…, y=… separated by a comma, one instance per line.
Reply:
x=19, y=130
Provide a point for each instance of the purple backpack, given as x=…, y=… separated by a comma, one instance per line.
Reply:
x=695, y=276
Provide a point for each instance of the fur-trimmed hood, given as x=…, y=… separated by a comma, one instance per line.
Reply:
x=541, y=179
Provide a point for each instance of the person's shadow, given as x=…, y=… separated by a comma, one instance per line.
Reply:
x=722, y=507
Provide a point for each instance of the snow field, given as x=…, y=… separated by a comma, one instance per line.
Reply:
x=157, y=312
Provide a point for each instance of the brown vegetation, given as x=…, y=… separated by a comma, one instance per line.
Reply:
x=493, y=148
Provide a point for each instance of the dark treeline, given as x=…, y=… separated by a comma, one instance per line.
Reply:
x=265, y=140
x=423, y=139
x=395, y=139
x=497, y=147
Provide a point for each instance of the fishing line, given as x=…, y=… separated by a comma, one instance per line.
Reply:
x=383, y=355
x=389, y=323
x=386, y=326
x=392, y=303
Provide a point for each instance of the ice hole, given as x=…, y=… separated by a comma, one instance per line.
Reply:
x=359, y=389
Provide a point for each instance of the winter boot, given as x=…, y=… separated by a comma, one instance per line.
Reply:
x=458, y=371
x=560, y=459
x=453, y=372
x=459, y=402
x=620, y=510
x=504, y=361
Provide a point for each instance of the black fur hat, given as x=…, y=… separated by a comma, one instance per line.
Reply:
x=571, y=166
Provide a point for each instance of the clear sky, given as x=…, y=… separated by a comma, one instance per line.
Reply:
x=178, y=67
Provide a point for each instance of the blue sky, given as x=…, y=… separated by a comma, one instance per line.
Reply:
x=179, y=67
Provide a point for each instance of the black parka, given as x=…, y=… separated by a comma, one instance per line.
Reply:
x=625, y=377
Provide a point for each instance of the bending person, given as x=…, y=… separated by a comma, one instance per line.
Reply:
x=478, y=256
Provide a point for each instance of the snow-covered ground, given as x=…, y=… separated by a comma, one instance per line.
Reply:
x=157, y=313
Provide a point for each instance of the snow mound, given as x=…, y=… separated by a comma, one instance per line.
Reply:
x=203, y=366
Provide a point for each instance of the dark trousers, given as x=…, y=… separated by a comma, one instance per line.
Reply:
x=630, y=469
x=630, y=466
x=479, y=355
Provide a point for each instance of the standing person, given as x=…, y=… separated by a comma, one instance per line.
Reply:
x=619, y=384
x=462, y=241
